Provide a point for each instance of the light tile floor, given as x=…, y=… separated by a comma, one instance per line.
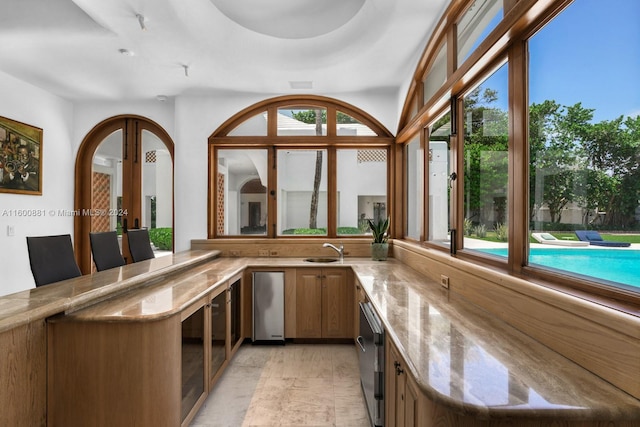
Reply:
x=290, y=385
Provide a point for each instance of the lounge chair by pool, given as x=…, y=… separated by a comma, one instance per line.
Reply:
x=594, y=238
x=549, y=239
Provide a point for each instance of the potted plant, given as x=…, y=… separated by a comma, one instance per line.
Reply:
x=379, y=246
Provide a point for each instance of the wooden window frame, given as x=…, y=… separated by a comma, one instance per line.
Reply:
x=330, y=142
x=522, y=18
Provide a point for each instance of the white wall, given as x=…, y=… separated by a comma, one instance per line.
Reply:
x=189, y=120
x=196, y=118
x=31, y=105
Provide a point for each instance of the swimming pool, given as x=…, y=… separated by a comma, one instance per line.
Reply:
x=616, y=265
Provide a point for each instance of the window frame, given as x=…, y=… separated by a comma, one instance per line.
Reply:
x=507, y=42
x=330, y=142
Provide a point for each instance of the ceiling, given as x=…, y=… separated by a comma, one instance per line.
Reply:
x=267, y=47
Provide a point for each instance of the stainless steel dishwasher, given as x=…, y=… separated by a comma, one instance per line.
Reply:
x=371, y=343
x=268, y=307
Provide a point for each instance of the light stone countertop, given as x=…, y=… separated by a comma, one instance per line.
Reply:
x=69, y=295
x=461, y=356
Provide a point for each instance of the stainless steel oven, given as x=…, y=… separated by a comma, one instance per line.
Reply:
x=371, y=343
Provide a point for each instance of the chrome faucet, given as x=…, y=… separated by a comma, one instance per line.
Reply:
x=340, y=250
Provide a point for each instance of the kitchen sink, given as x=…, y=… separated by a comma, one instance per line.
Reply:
x=321, y=259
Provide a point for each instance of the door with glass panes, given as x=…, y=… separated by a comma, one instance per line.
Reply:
x=124, y=180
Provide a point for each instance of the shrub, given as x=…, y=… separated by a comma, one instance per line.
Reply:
x=162, y=238
x=480, y=230
x=350, y=230
x=305, y=231
x=468, y=227
x=502, y=232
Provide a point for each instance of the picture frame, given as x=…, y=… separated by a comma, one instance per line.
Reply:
x=20, y=158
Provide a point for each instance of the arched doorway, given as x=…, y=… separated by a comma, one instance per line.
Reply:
x=123, y=180
x=253, y=207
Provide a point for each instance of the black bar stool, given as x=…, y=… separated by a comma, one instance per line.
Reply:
x=52, y=259
x=105, y=250
x=139, y=244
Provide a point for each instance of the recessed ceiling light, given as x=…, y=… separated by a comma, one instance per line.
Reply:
x=126, y=52
x=161, y=98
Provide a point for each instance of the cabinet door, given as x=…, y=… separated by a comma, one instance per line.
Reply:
x=235, y=334
x=391, y=391
x=308, y=303
x=193, y=360
x=402, y=396
x=337, y=304
x=218, y=352
x=411, y=402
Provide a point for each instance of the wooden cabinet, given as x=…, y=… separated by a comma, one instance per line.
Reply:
x=193, y=365
x=235, y=313
x=324, y=303
x=402, y=396
x=218, y=343
x=130, y=367
x=104, y=373
x=309, y=303
x=225, y=309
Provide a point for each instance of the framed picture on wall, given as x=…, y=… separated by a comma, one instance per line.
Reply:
x=20, y=158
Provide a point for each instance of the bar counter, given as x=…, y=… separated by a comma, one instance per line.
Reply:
x=23, y=307
x=462, y=358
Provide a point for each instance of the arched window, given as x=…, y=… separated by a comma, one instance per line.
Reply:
x=298, y=165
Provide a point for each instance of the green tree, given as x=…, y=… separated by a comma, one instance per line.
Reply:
x=612, y=149
x=541, y=119
x=556, y=156
x=486, y=160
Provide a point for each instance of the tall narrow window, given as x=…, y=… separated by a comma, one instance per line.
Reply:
x=476, y=23
x=414, y=155
x=302, y=192
x=486, y=162
x=437, y=74
x=362, y=189
x=241, y=183
x=439, y=181
x=584, y=128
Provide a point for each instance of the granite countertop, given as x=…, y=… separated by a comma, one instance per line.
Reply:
x=165, y=298
x=461, y=357
x=69, y=295
x=464, y=358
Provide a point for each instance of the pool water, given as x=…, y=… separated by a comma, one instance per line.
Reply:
x=616, y=265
